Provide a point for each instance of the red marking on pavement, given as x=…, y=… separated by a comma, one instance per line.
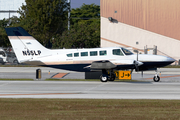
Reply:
x=59, y=75
x=165, y=77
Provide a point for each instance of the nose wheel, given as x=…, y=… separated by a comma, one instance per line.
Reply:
x=156, y=77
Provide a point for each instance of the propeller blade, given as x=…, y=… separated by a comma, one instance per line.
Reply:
x=137, y=64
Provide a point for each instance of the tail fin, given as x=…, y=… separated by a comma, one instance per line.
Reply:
x=24, y=45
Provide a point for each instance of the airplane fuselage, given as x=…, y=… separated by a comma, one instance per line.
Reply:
x=29, y=50
x=80, y=59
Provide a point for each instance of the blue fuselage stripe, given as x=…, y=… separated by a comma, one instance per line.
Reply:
x=81, y=67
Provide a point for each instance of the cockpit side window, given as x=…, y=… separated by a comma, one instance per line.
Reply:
x=117, y=52
x=126, y=52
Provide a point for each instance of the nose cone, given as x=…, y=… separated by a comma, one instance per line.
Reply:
x=168, y=59
x=164, y=60
x=156, y=60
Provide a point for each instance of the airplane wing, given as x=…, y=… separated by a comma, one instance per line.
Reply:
x=106, y=64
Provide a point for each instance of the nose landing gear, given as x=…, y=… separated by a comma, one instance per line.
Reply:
x=156, y=77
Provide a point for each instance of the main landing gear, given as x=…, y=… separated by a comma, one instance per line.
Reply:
x=111, y=76
x=156, y=77
x=107, y=77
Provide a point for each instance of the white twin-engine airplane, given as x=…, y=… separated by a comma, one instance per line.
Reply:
x=28, y=50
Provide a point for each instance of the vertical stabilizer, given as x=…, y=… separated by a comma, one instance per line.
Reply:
x=24, y=45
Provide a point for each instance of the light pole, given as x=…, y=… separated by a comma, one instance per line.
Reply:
x=69, y=14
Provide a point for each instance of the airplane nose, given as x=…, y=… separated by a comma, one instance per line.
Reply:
x=166, y=61
x=170, y=59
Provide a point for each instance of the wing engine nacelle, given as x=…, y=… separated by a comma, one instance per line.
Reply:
x=99, y=65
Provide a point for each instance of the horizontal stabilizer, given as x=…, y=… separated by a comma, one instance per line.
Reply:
x=33, y=63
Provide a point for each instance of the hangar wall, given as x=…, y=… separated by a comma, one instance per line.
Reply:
x=146, y=22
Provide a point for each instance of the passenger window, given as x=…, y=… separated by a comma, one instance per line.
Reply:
x=93, y=53
x=84, y=54
x=117, y=52
x=104, y=52
x=76, y=54
x=69, y=55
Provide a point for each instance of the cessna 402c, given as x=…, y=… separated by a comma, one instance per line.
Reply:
x=28, y=50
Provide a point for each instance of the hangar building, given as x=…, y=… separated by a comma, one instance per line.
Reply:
x=141, y=24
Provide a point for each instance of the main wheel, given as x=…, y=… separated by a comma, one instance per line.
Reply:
x=112, y=78
x=156, y=78
x=103, y=78
x=15, y=61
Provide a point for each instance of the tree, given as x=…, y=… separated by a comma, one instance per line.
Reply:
x=86, y=13
x=3, y=36
x=44, y=18
x=84, y=31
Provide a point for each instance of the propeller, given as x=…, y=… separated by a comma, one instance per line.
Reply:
x=136, y=62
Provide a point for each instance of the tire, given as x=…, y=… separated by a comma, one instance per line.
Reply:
x=15, y=61
x=112, y=78
x=156, y=78
x=103, y=79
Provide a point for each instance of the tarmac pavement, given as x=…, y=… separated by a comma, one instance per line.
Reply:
x=89, y=90
x=166, y=74
x=143, y=88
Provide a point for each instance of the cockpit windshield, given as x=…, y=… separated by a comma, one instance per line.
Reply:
x=126, y=52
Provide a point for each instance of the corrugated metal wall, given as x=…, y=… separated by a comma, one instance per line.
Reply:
x=159, y=16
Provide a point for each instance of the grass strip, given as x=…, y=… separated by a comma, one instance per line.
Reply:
x=89, y=109
x=10, y=79
x=172, y=66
